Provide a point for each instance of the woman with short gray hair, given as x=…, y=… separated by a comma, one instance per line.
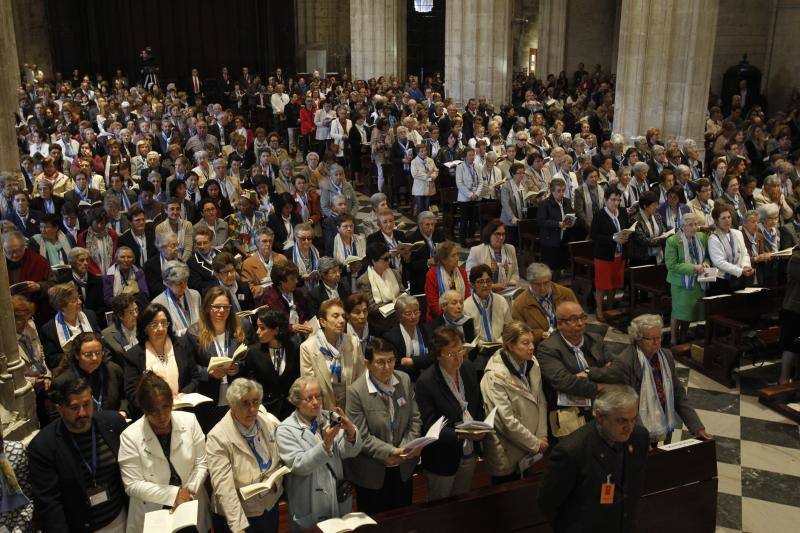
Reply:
x=336, y=184
x=182, y=303
x=246, y=433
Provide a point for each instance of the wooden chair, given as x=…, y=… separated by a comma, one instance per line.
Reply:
x=488, y=211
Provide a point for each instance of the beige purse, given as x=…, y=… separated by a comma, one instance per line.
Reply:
x=565, y=421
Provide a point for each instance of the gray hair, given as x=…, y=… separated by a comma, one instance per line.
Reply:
x=689, y=144
x=326, y=263
x=579, y=141
x=641, y=166
x=751, y=213
x=565, y=137
x=642, y=323
x=154, y=173
x=286, y=163
x=174, y=272
x=312, y=154
x=688, y=217
x=615, y=397
x=265, y=231
x=617, y=139
x=241, y=388
x=162, y=239
x=448, y=295
x=771, y=181
x=75, y=254
x=336, y=197
x=299, y=385
x=200, y=154
x=376, y=199
x=333, y=169
x=682, y=169
x=584, y=158
x=491, y=156
x=403, y=302
x=538, y=271
x=768, y=210
x=121, y=249
x=111, y=201
x=425, y=215
x=658, y=149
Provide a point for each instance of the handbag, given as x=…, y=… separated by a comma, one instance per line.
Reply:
x=343, y=487
x=565, y=421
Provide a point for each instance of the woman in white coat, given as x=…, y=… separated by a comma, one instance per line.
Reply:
x=162, y=457
x=312, y=443
x=728, y=253
x=424, y=172
x=495, y=252
x=340, y=129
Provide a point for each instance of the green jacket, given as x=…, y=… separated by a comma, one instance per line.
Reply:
x=677, y=267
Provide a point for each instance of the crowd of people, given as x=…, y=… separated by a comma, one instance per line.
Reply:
x=159, y=244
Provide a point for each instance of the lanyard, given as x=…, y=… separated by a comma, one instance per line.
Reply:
x=65, y=328
x=91, y=468
x=32, y=355
x=277, y=361
x=486, y=313
x=222, y=350
x=251, y=442
x=390, y=399
x=181, y=314
x=98, y=402
x=353, y=250
x=546, y=304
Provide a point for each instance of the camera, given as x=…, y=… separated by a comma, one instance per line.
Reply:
x=334, y=418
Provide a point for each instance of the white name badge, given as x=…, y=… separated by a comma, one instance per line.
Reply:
x=97, y=495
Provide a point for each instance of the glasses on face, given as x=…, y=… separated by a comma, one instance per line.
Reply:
x=312, y=398
x=304, y=238
x=251, y=403
x=499, y=234
x=91, y=355
x=415, y=312
x=219, y=308
x=483, y=281
x=384, y=363
x=572, y=320
x=158, y=324
x=456, y=353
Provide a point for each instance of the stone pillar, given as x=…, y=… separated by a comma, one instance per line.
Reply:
x=664, y=67
x=377, y=38
x=552, y=37
x=33, y=34
x=323, y=25
x=477, y=51
x=17, y=399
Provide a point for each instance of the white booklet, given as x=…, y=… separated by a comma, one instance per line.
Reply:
x=452, y=164
x=565, y=400
x=679, y=444
x=476, y=426
x=253, y=489
x=193, y=399
x=709, y=275
x=349, y=522
x=430, y=437
x=226, y=362
x=165, y=521
x=386, y=309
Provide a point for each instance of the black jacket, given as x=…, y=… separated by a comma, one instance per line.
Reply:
x=113, y=392
x=127, y=239
x=200, y=273
x=49, y=337
x=602, y=233
x=395, y=338
x=275, y=223
x=258, y=366
x=153, y=276
x=570, y=490
x=435, y=399
x=318, y=294
x=549, y=217
x=419, y=259
x=56, y=474
x=37, y=204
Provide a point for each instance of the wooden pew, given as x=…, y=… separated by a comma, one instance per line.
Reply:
x=776, y=397
x=652, y=280
x=679, y=494
x=582, y=258
x=448, y=206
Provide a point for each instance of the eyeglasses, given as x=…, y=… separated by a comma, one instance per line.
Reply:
x=383, y=363
x=220, y=307
x=304, y=238
x=91, y=355
x=458, y=353
x=251, y=403
x=309, y=399
x=499, y=234
x=570, y=320
x=160, y=324
x=482, y=281
x=415, y=312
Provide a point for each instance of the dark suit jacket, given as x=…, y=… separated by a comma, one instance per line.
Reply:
x=419, y=259
x=188, y=372
x=56, y=474
x=31, y=226
x=127, y=239
x=37, y=204
x=49, y=337
x=95, y=298
x=113, y=386
x=435, y=399
x=258, y=366
x=275, y=223
x=152, y=273
x=548, y=216
x=200, y=273
x=395, y=338
x=570, y=490
x=377, y=236
x=397, y=154
x=469, y=327
x=318, y=294
x=602, y=233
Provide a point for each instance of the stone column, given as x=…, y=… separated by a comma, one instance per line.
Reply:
x=552, y=37
x=323, y=25
x=32, y=30
x=477, y=51
x=377, y=38
x=9, y=83
x=664, y=67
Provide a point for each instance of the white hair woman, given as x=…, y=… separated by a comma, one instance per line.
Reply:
x=182, y=302
x=242, y=450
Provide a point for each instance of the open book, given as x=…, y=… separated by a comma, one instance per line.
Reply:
x=570, y=217
x=626, y=232
x=349, y=522
x=477, y=342
x=249, y=491
x=453, y=164
x=476, y=426
x=667, y=234
x=511, y=292
x=709, y=275
x=165, y=521
x=386, y=309
x=250, y=312
x=84, y=203
x=413, y=246
x=18, y=288
x=226, y=362
x=536, y=194
x=430, y=437
x=193, y=399
x=786, y=252
x=353, y=259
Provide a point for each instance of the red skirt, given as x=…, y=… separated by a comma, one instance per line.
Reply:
x=609, y=275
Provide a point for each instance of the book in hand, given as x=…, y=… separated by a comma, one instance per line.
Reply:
x=477, y=342
x=786, y=252
x=192, y=399
x=84, y=203
x=626, y=232
x=353, y=259
x=349, y=522
x=250, y=312
x=709, y=275
x=386, y=309
x=413, y=246
x=225, y=362
x=667, y=234
x=453, y=164
x=165, y=521
x=430, y=437
x=254, y=489
x=570, y=217
x=476, y=426
x=537, y=194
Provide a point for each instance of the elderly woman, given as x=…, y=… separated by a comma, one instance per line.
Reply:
x=85, y=359
x=673, y=208
x=686, y=258
x=346, y=245
x=650, y=370
x=512, y=382
x=381, y=404
x=424, y=173
x=370, y=224
x=125, y=277
x=336, y=184
x=70, y=320
x=52, y=243
x=647, y=241
x=332, y=355
x=609, y=250
x=702, y=204
x=242, y=450
x=217, y=333
x=304, y=254
x=120, y=335
x=452, y=304
x=162, y=352
x=755, y=244
x=331, y=286
x=382, y=285
x=489, y=312
x=512, y=202
x=409, y=337
x=444, y=275
x=100, y=240
x=771, y=193
x=727, y=251
x=182, y=302
x=554, y=225
x=316, y=487
x=29, y=346
x=210, y=213
x=273, y=361
x=162, y=456
x=733, y=197
x=492, y=177
x=286, y=297
x=449, y=388
x=495, y=252
x=256, y=269
x=769, y=229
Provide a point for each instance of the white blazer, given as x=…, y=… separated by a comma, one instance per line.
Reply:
x=468, y=184
x=482, y=255
x=716, y=251
x=314, y=363
x=339, y=135
x=500, y=316
x=424, y=173
x=145, y=471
